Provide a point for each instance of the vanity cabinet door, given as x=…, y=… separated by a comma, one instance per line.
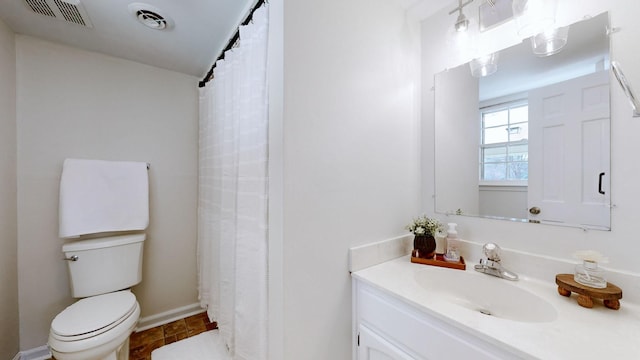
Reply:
x=392, y=329
x=375, y=347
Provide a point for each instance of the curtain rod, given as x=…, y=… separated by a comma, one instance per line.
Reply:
x=231, y=43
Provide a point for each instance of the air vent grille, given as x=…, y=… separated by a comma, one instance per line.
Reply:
x=70, y=10
x=41, y=7
x=151, y=16
x=151, y=19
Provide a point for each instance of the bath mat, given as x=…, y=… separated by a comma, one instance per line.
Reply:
x=205, y=346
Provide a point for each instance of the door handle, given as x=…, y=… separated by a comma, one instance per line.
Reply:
x=600, y=183
x=535, y=210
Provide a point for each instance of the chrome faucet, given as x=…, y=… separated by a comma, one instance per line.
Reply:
x=490, y=264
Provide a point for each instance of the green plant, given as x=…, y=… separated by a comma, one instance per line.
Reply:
x=424, y=225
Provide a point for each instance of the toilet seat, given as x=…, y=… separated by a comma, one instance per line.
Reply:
x=93, y=316
x=100, y=343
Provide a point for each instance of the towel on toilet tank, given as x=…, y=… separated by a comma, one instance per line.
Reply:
x=100, y=196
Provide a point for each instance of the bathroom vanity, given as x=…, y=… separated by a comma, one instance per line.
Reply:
x=403, y=310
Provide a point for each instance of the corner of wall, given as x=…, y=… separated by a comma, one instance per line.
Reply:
x=9, y=323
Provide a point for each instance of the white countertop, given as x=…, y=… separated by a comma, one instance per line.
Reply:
x=576, y=332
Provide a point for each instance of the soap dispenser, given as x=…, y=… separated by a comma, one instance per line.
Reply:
x=453, y=250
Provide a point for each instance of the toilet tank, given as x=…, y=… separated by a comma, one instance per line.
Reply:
x=104, y=265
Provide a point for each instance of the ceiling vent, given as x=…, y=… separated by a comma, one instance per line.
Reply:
x=150, y=16
x=151, y=19
x=69, y=10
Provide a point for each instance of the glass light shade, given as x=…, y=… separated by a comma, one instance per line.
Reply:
x=534, y=16
x=549, y=42
x=484, y=65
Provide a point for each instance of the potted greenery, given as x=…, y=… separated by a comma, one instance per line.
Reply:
x=424, y=242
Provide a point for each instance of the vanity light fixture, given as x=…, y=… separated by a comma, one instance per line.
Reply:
x=462, y=23
x=492, y=13
x=484, y=65
x=534, y=18
x=550, y=42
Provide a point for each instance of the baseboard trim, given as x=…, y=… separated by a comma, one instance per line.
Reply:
x=166, y=317
x=39, y=353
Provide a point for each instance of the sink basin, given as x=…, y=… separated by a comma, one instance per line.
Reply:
x=486, y=294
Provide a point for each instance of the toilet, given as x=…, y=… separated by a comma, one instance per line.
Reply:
x=98, y=326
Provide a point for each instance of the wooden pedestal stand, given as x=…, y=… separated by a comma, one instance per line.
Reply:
x=610, y=295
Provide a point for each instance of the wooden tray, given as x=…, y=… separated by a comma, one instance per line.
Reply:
x=609, y=295
x=439, y=260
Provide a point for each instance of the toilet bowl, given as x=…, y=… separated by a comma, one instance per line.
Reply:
x=95, y=328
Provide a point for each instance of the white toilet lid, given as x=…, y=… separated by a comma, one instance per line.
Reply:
x=93, y=313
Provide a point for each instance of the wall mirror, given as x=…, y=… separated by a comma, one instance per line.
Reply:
x=530, y=142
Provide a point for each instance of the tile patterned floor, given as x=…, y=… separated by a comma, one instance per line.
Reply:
x=142, y=343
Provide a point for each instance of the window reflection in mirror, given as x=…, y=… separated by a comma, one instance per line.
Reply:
x=504, y=149
x=535, y=134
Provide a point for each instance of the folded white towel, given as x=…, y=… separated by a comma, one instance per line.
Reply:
x=99, y=196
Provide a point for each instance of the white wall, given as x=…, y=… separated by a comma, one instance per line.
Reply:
x=457, y=142
x=275, y=74
x=504, y=201
x=73, y=103
x=618, y=244
x=351, y=164
x=9, y=342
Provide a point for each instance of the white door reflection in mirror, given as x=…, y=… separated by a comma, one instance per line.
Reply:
x=569, y=152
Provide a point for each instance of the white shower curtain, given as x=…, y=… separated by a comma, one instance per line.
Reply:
x=233, y=183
